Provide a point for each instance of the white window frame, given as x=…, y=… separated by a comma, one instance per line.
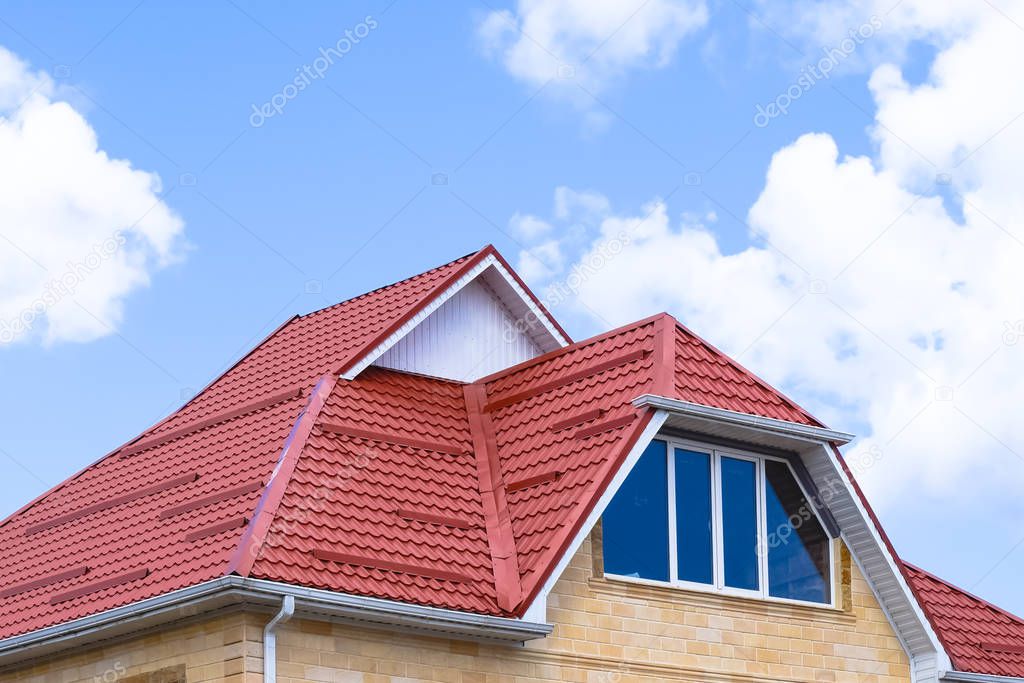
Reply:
x=716, y=453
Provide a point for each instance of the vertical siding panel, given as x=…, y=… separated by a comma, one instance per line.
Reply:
x=466, y=338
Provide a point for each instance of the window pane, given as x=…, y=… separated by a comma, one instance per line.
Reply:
x=693, y=516
x=635, y=524
x=798, y=547
x=739, y=523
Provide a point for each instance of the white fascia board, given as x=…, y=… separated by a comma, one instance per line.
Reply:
x=536, y=311
x=793, y=430
x=815, y=445
x=893, y=572
x=487, y=262
x=258, y=594
x=537, y=611
x=964, y=677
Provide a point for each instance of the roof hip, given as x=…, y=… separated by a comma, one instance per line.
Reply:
x=256, y=532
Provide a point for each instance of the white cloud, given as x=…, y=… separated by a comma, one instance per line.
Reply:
x=879, y=305
x=590, y=42
x=529, y=227
x=80, y=230
x=586, y=204
x=814, y=24
x=541, y=261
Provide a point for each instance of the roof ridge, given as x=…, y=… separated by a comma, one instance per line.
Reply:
x=209, y=385
x=529, y=292
x=251, y=543
x=148, y=430
x=575, y=346
x=501, y=539
x=964, y=592
x=394, y=284
x=411, y=312
x=665, y=356
x=739, y=366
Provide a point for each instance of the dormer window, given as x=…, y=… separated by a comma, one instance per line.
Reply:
x=718, y=520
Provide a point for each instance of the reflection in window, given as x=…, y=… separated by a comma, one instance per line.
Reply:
x=739, y=523
x=693, y=516
x=635, y=524
x=798, y=547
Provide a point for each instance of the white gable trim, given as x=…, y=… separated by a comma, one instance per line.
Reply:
x=929, y=660
x=537, y=611
x=553, y=336
x=472, y=335
x=879, y=567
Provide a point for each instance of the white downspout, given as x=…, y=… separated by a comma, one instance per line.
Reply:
x=270, y=639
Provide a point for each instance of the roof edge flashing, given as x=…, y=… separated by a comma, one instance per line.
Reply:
x=485, y=260
x=310, y=603
x=966, y=677
x=536, y=605
x=794, y=430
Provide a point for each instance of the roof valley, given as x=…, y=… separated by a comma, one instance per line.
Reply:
x=228, y=481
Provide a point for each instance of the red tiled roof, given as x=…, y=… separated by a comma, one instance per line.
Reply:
x=390, y=485
x=978, y=636
x=412, y=478
x=207, y=437
x=707, y=376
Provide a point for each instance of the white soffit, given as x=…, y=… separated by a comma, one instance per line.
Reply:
x=878, y=565
x=471, y=335
x=729, y=424
x=869, y=549
x=535, y=322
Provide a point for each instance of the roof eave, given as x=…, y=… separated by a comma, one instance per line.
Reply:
x=966, y=677
x=210, y=597
x=782, y=428
x=817, y=447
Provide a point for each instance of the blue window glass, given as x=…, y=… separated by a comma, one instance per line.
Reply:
x=635, y=524
x=693, y=516
x=798, y=547
x=739, y=523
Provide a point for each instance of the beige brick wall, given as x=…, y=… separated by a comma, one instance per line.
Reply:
x=605, y=632
x=674, y=634
x=214, y=650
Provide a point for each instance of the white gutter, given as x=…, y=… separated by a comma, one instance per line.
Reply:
x=270, y=638
x=815, y=446
x=964, y=677
x=765, y=424
x=263, y=596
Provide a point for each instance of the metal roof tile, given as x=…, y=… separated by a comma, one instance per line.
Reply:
x=377, y=474
x=966, y=624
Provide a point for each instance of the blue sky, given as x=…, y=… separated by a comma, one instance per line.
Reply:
x=651, y=130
